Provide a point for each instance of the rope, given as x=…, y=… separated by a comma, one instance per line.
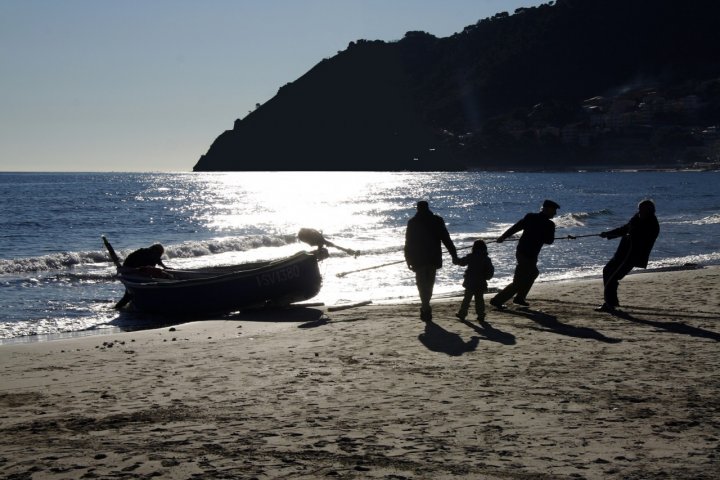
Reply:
x=511, y=239
x=573, y=237
x=342, y=274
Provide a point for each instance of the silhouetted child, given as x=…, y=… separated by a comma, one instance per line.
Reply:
x=479, y=270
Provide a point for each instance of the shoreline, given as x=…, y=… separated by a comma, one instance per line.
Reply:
x=447, y=297
x=555, y=390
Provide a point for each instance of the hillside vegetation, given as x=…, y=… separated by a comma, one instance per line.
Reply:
x=569, y=84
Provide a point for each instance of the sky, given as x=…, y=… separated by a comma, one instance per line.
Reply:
x=147, y=85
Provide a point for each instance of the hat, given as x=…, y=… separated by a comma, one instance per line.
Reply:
x=550, y=204
x=423, y=205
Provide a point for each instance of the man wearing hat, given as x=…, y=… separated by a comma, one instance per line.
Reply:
x=423, y=252
x=538, y=230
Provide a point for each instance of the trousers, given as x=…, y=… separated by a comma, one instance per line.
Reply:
x=613, y=272
x=479, y=303
x=425, y=281
x=526, y=272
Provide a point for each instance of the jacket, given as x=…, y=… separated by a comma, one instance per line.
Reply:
x=479, y=270
x=638, y=239
x=144, y=257
x=423, y=237
x=537, y=230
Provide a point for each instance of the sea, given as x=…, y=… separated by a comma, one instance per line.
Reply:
x=56, y=278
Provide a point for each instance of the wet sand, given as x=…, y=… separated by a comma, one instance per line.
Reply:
x=553, y=391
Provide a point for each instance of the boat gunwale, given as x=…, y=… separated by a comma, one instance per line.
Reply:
x=298, y=257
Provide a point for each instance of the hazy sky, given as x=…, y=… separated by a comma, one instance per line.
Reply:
x=147, y=85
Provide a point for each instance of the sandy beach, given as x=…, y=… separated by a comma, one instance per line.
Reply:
x=553, y=391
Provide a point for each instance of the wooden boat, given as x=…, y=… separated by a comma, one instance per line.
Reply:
x=227, y=288
x=224, y=289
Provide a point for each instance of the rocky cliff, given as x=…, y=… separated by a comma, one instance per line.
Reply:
x=511, y=90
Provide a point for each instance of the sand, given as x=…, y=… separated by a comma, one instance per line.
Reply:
x=554, y=391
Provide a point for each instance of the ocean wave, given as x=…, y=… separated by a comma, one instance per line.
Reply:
x=222, y=245
x=713, y=219
x=578, y=219
x=55, y=261
x=711, y=258
x=65, y=260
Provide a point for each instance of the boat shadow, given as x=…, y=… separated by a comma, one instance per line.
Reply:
x=129, y=320
x=551, y=323
x=132, y=321
x=302, y=315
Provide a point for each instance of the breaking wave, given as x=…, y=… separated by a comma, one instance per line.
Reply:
x=712, y=258
x=713, y=219
x=578, y=219
x=65, y=260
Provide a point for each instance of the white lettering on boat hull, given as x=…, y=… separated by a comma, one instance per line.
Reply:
x=278, y=276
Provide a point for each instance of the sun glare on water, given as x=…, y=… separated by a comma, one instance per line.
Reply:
x=333, y=202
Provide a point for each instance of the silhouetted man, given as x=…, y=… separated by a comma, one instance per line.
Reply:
x=144, y=260
x=538, y=230
x=423, y=252
x=145, y=257
x=638, y=238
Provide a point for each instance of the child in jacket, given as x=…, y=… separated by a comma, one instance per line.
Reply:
x=479, y=270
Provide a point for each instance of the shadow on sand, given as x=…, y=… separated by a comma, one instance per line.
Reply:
x=551, y=323
x=673, y=327
x=306, y=315
x=488, y=332
x=132, y=321
x=437, y=339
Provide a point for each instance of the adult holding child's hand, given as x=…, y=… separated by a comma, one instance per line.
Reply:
x=425, y=234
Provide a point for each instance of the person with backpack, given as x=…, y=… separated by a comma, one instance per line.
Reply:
x=479, y=270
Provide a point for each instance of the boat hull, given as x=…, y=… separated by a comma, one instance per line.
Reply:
x=226, y=289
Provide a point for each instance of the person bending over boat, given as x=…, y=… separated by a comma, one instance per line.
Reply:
x=144, y=260
x=146, y=257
